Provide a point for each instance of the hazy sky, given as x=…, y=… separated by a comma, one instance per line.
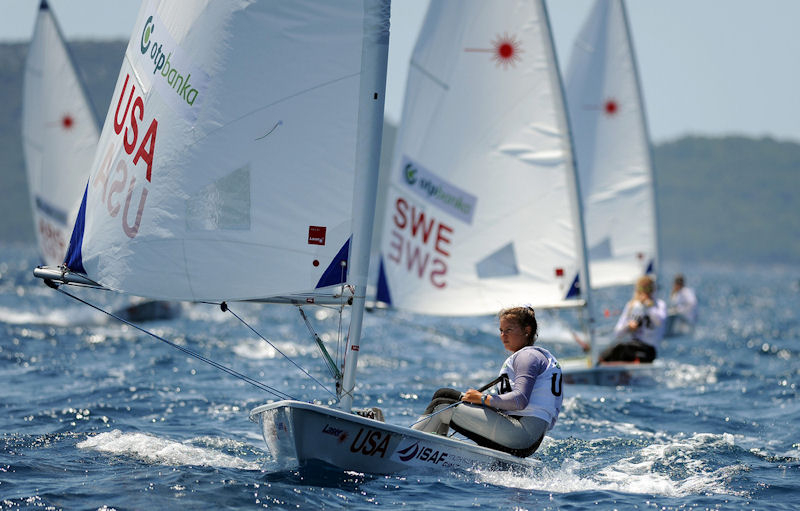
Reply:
x=709, y=67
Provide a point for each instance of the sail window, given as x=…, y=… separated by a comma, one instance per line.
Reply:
x=501, y=263
x=222, y=205
x=601, y=250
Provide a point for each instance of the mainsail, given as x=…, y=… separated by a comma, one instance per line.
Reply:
x=482, y=208
x=59, y=134
x=235, y=159
x=612, y=148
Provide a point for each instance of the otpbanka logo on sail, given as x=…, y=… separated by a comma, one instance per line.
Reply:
x=161, y=62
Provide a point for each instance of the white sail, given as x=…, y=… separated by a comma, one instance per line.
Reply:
x=235, y=153
x=59, y=134
x=481, y=210
x=612, y=149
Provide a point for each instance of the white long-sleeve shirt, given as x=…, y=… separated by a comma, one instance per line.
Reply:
x=654, y=319
x=684, y=302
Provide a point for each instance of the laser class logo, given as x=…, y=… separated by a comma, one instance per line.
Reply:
x=611, y=107
x=149, y=46
x=505, y=50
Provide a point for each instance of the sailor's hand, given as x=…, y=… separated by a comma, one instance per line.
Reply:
x=475, y=397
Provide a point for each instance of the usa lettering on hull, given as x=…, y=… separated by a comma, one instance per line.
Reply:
x=370, y=442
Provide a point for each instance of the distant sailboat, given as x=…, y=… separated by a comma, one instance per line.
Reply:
x=612, y=148
x=254, y=179
x=482, y=209
x=60, y=136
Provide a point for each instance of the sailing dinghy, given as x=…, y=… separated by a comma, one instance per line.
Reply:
x=482, y=208
x=612, y=147
x=60, y=137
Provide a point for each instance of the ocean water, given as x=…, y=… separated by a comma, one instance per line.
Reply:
x=97, y=415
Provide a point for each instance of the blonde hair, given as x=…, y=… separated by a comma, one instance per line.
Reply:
x=645, y=284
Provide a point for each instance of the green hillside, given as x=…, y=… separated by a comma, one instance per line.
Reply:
x=727, y=199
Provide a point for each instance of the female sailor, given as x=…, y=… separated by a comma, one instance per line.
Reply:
x=515, y=419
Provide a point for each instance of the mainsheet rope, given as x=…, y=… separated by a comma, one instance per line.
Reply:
x=275, y=392
x=437, y=412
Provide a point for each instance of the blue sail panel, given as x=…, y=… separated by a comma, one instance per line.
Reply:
x=74, y=258
x=575, y=288
x=383, y=294
x=336, y=273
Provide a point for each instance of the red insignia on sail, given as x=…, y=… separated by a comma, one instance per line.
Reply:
x=505, y=50
x=611, y=107
x=67, y=121
x=316, y=235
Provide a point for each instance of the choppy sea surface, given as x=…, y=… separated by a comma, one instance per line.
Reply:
x=97, y=415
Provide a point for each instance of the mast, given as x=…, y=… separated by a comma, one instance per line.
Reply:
x=368, y=151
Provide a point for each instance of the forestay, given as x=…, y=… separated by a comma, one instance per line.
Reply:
x=59, y=135
x=481, y=210
x=612, y=149
x=234, y=156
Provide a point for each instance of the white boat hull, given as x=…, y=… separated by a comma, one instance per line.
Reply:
x=581, y=372
x=297, y=433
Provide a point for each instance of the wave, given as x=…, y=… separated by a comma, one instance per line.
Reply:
x=154, y=449
x=674, y=467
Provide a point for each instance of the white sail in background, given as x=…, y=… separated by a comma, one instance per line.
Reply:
x=235, y=158
x=482, y=210
x=612, y=149
x=59, y=134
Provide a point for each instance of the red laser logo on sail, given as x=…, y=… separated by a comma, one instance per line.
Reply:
x=611, y=107
x=505, y=50
x=67, y=122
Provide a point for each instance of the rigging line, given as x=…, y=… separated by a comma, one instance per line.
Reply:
x=227, y=308
x=328, y=360
x=426, y=417
x=275, y=392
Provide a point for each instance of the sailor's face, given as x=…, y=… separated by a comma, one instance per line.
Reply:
x=513, y=336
